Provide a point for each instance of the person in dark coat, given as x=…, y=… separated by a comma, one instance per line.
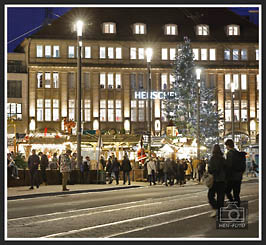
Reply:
x=33, y=163
x=216, y=167
x=233, y=177
x=103, y=162
x=181, y=170
x=116, y=169
x=44, y=164
x=200, y=170
x=126, y=168
x=109, y=170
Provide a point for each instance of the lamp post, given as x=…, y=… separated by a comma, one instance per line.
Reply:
x=233, y=110
x=79, y=26
x=198, y=72
x=149, y=56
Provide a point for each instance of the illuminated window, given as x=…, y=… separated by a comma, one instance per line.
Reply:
x=48, y=115
x=109, y=28
x=236, y=81
x=257, y=54
x=133, y=110
x=14, y=110
x=235, y=54
x=118, y=53
x=71, y=52
x=196, y=53
x=172, y=53
x=118, y=82
x=102, y=80
x=102, y=53
x=55, y=80
x=48, y=51
x=244, y=111
x=110, y=52
x=227, y=54
x=236, y=110
x=133, y=53
x=139, y=28
x=141, y=111
x=56, y=52
x=164, y=54
x=244, y=54
x=102, y=110
x=212, y=53
x=47, y=77
x=110, y=110
x=170, y=29
x=110, y=80
x=118, y=111
x=244, y=81
x=87, y=52
x=55, y=110
x=71, y=109
x=164, y=81
x=202, y=30
x=227, y=81
x=233, y=30
x=227, y=112
x=39, y=109
x=203, y=54
x=141, y=53
x=39, y=80
x=39, y=51
x=87, y=110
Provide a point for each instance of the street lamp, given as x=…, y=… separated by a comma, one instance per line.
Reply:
x=233, y=110
x=79, y=27
x=149, y=56
x=198, y=72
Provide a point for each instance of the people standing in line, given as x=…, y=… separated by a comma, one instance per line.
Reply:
x=126, y=168
x=65, y=168
x=43, y=164
x=54, y=163
x=233, y=173
x=109, y=170
x=116, y=169
x=33, y=164
x=103, y=163
x=151, y=168
x=217, y=169
x=12, y=165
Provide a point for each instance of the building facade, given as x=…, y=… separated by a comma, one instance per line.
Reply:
x=114, y=68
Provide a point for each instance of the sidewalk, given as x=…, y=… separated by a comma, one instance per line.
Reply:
x=22, y=192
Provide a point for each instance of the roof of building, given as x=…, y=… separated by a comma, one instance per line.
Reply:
x=155, y=19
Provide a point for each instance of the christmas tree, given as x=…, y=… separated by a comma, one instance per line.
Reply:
x=180, y=105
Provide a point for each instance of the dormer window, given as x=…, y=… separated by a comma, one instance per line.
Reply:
x=170, y=29
x=109, y=28
x=202, y=30
x=233, y=30
x=139, y=28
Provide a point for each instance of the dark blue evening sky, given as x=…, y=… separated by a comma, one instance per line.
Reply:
x=23, y=22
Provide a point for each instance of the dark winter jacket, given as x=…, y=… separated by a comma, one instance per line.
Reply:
x=217, y=168
x=126, y=166
x=231, y=159
x=33, y=162
x=109, y=167
x=44, y=161
x=116, y=166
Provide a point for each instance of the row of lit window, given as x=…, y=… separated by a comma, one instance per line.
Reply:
x=170, y=29
x=114, y=80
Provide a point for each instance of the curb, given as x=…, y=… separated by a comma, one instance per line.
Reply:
x=69, y=192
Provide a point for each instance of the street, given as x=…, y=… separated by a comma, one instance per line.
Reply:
x=144, y=212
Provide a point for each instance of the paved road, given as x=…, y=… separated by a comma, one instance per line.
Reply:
x=146, y=212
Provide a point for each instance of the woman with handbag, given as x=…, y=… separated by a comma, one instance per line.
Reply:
x=217, y=169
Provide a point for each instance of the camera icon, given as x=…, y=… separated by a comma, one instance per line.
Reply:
x=232, y=213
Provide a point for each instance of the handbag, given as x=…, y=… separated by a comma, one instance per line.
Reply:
x=208, y=180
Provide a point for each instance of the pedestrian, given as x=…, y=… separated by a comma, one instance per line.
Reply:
x=188, y=171
x=11, y=164
x=126, y=168
x=33, y=164
x=151, y=168
x=181, y=173
x=103, y=163
x=43, y=164
x=217, y=169
x=116, y=169
x=195, y=163
x=200, y=170
x=85, y=167
x=109, y=170
x=65, y=168
x=255, y=170
x=74, y=164
x=54, y=163
x=168, y=171
x=234, y=172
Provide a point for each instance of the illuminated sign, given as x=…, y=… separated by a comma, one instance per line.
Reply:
x=154, y=95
